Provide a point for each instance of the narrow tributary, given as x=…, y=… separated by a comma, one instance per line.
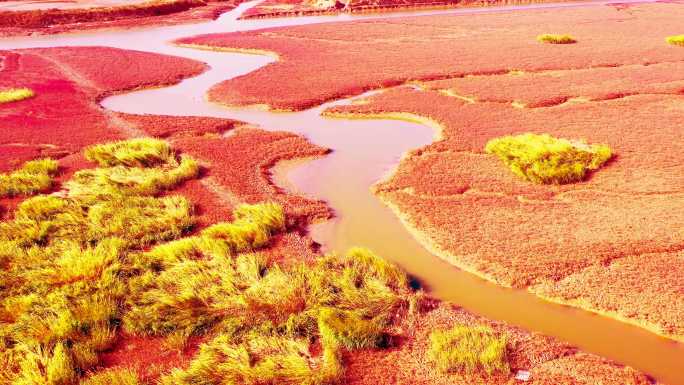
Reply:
x=365, y=151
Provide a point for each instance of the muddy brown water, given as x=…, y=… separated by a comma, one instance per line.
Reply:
x=365, y=151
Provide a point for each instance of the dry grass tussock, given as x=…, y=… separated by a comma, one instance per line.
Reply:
x=468, y=349
x=547, y=160
x=78, y=267
x=676, y=40
x=33, y=177
x=556, y=39
x=263, y=317
x=67, y=263
x=15, y=95
x=113, y=377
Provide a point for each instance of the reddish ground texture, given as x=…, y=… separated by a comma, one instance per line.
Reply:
x=618, y=85
x=289, y=8
x=144, y=13
x=67, y=82
x=65, y=115
x=548, y=88
x=651, y=275
x=326, y=62
x=548, y=361
x=148, y=356
x=478, y=215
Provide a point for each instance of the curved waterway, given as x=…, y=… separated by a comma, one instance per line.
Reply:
x=365, y=151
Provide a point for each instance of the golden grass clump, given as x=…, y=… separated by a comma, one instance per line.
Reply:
x=676, y=40
x=556, y=39
x=109, y=182
x=15, y=95
x=348, y=329
x=143, y=220
x=33, y=177
x=544, y=159
x=255, y=361
x=66, y=262
x=469, y=349
x=345, y=302
x=113, y=253
x=140, y=152
x=251, y=229
x=113, y=377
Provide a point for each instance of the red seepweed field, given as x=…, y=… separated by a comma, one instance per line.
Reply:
x=236, y=171
x=274, y=310
x=23, y=18
x=618, y=85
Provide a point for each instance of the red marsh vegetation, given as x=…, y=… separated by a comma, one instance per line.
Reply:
x=617, y=85
x=289, y=8
x=326, y=61
x=64, y=117
x=53, y=20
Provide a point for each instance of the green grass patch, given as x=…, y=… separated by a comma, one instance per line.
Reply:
x=676, y=40
x=15, y=95
x=468, y=349
x=556, y=39
x=544, y=159
x=33, y=177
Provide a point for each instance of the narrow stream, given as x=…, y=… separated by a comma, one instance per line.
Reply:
x=365, y=151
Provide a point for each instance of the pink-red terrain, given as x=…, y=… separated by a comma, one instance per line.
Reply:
x=289, y=8
x=65, y=116
x=489, y=77
x=31, y=18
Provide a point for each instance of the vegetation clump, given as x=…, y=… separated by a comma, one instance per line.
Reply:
x=544, y=159
x=65, y=265
x=556, y=39
x=263, y=315
x=113, y=377
x=118, y=181
x=15, y=95
x=139, y=152
x=253, y=361
x=114, y=253
x=468, y=349
x=676, y=40
x=348, y=329
x=33, y=177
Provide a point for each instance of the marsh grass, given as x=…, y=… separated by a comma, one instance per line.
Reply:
x=676, y=40
x=33, y=177
x=257, y=360
x=139, y=152
x=15, y=95
x=469, y=349
x=348, y=329
x=556, y=39
x=114, y=253
x=544, y=159
x=66, y=261
x=113, y=377
x=345, y=302
x=117, y=181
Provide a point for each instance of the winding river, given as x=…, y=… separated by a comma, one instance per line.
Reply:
x=365, y=151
